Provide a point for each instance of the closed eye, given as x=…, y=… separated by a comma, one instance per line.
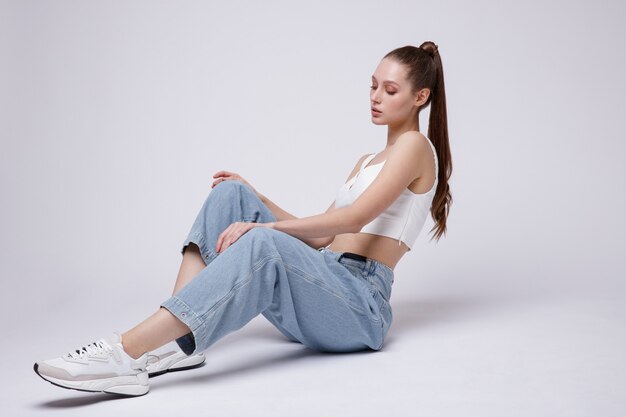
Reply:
x=391, y=93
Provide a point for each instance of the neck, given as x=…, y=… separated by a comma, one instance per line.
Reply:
x=394, y=131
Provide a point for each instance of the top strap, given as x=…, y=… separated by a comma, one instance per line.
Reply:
x=367, y=161
x=436, y=159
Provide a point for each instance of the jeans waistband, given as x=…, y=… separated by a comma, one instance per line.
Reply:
x=377, y=272
x=353, y=256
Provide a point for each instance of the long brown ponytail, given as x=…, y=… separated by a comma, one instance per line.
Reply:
x=425, y=70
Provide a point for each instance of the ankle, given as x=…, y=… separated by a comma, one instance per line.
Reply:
x=129, y=349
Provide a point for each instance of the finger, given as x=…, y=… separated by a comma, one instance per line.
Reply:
x=218, y=243
x=236, y=233
x=229, y=240
x=221, y=173
x=220, y=240
x=217, y=182
x=225, y=237
x=225, y=243
x=237, y=230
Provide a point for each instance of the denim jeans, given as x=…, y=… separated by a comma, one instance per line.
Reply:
x=327, y=302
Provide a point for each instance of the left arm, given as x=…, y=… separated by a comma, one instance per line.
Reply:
x=399, y=171
x=315, y=231
x=331, y=223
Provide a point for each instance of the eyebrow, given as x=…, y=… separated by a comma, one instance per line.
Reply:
x=388, y=82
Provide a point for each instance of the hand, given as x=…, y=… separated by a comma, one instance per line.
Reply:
x=227, y=175
x=234, y=232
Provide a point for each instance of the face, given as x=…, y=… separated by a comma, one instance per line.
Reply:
x=390, y=93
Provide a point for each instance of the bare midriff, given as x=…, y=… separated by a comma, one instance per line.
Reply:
x=380, y=248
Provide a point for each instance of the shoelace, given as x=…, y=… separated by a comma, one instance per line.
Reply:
x=98, y=347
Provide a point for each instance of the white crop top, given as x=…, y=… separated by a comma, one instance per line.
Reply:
x=405, y=217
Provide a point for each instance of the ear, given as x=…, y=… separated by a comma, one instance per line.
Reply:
x=421, y=97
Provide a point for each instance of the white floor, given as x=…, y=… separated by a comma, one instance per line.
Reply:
x=114, y=116
x=490, y=351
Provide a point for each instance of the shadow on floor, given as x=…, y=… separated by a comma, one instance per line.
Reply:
x=408, y=315
x=411, y=315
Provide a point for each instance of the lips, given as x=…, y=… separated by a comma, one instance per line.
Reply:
x=376, y=110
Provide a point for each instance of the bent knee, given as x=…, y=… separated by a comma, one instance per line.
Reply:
x=231, y=190
x=262, y=232
x=226, y=187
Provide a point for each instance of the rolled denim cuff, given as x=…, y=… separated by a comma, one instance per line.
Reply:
x=184, y=313
x=206, y=253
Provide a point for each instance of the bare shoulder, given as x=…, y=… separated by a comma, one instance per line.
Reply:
x=410, y=146
x=414, y=137
x=416, y=144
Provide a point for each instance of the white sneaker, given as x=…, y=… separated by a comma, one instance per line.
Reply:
x=101, y=366
x=173, y=360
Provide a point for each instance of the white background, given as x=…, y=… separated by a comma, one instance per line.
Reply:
x=114, y=115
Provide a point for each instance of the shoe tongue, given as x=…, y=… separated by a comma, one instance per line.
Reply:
x=114, y=338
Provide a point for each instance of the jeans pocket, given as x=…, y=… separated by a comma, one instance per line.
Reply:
x=355, y=267
x=379, y=300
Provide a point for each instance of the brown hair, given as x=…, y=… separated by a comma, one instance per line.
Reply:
x=424, y=70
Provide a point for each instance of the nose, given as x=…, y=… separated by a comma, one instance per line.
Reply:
x=374, y=96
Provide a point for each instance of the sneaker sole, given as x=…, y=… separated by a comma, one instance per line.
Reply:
x=176, y=368
x=128, y=386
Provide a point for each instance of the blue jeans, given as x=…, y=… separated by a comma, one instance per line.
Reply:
x=327, y=302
